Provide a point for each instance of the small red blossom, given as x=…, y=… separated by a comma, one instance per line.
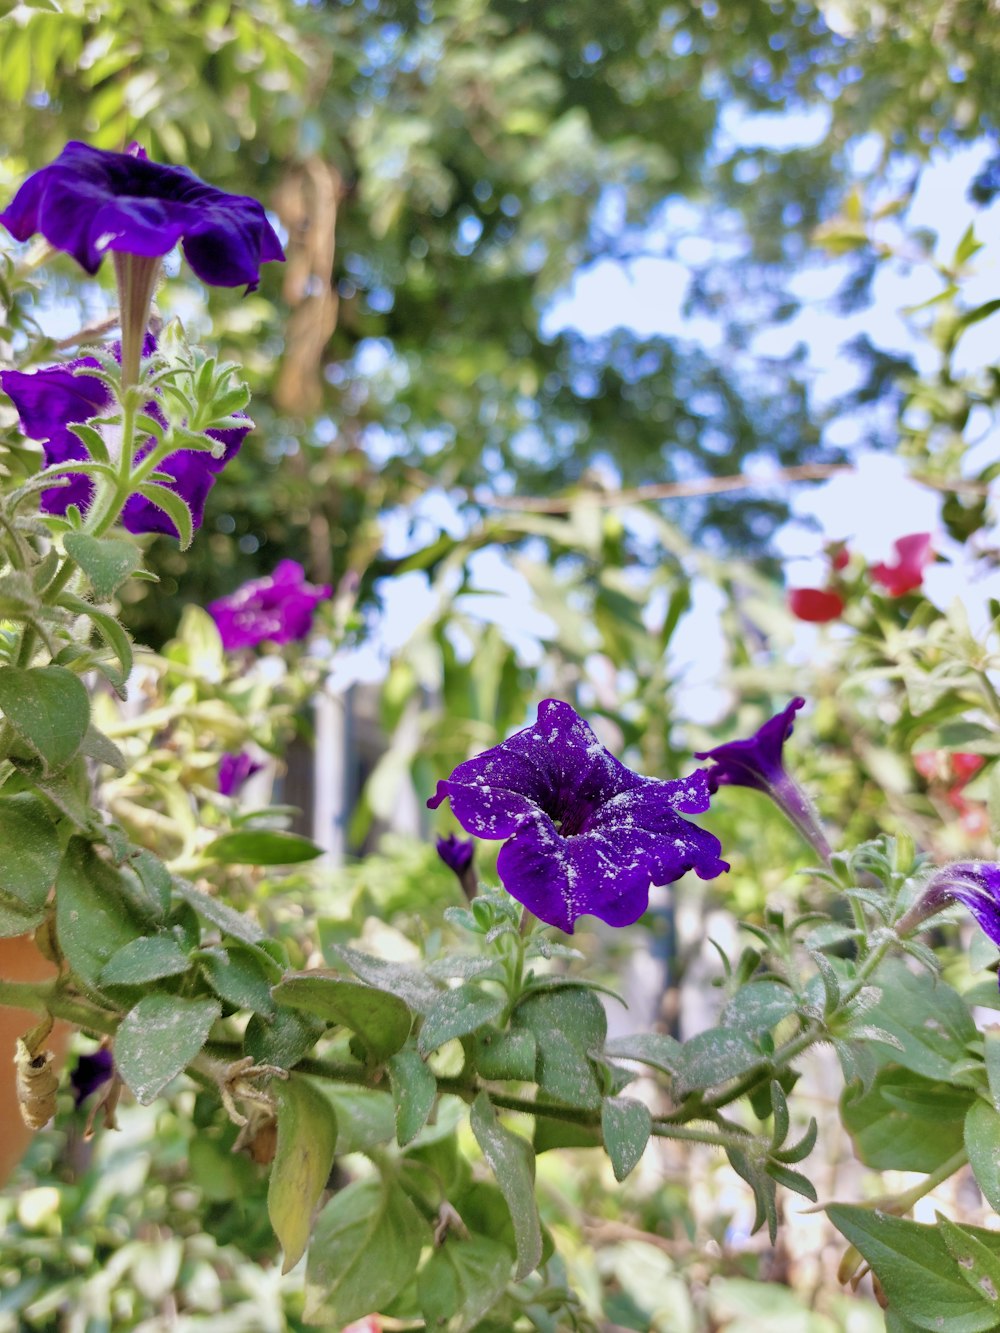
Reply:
x=818, y=605
x=838, y=555
x=913, y=555
x=966, y=766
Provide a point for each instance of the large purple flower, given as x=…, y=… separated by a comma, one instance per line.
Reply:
x=279, y=607
x=49, y=401
x=585, y=834
x=756, y=762
x=90, y=201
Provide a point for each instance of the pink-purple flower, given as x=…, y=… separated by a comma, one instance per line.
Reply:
x=90, y=201
x=91, y=1073
x=279, y=608
x=235, y=770
x=974, y=884
x=584, y=833
x=51, y=400
x=757, y=762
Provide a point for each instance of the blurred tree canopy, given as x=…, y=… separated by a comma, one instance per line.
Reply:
x=442, y=169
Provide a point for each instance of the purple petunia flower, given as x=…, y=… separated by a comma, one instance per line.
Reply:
x=90, y=201
x=585, y=834
x=756, y=762
x=91, y=1073
x=235, y=770
x=50, y=400
x=279, y=607
x=974, y=884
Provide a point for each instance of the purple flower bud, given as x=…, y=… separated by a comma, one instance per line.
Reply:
x=91, y=1073
x=584, y=833
x=235, y=770
x=279, y=607
x=90, y=201
x=756, y=762
x=456, y=852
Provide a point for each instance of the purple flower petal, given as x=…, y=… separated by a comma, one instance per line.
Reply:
x=279, y=608
x=89, y=201
x=235, y=770
x=975, y=884
x=586, y=834
x=456, y=853
x=50, y=400
x=91, y=1072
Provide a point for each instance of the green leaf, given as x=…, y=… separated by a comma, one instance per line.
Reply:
x=100, y=747
x=283, y=1040
x=95, y=916
x=106, y=561
x=148, y=958
x=365, y=1118
x=411, y=985
x=982, y=1143
x=512, y=1162
x=461, y=1282
x=29, y=863
x=927, y=1017
x=977, y=1264
x=365, y=1248
x=381, y=1020
x=567, y=1025
x=219, y=914
x=748, y=1166
x=456, y=1013
x=307, y=1139
x=758, y=1007
x=174, y=508
x=715, y=1057
x=918, y=1273
x=506, y=1055
x=991, y=1044
x=904, y=1122
x=262, y=847
x=159, y=1038
x=107, y=626
x=646, y=1048
x=626, y=1126
x=48, y=709
x=238, y=977
x=414, y=1088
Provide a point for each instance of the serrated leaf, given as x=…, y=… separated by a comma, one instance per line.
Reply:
x=49, y=711
x=159, y=1038
x=307, y=1139
x=414, y=1089
x=626, y=1126
x=365, y=1248
x=456, y=1013
x=381, y=1020
x=512, y=1162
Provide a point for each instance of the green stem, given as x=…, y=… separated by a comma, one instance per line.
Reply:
x=46, y=997
x=717, y=1138
x=989, y=693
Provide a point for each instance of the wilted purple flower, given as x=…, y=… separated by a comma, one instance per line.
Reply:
x=756, y=762
x=50, y=400
x=279, y=607
x=91, y=1073
x=234, y=770
x=585, y=834
x=90, y=201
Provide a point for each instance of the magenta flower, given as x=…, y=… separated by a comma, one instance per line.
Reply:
x=756, y=762
x=280, y=608
x=91, y=1073
x=584, y=833
x=50, y=400
x=90, y=201
x=235, y=770
x=913, y=555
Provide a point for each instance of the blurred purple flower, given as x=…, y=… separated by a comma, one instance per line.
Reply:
x=585, y=834
x=756, y=762
x=234, y=770
x=279, y=607
x=90, y=201
x=50, y=400
x=974, y=884
x=91, y=1073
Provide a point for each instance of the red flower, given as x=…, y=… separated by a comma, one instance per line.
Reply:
x=913, y=555
x=966, y=766
x=838, y=555
x=818, y=605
